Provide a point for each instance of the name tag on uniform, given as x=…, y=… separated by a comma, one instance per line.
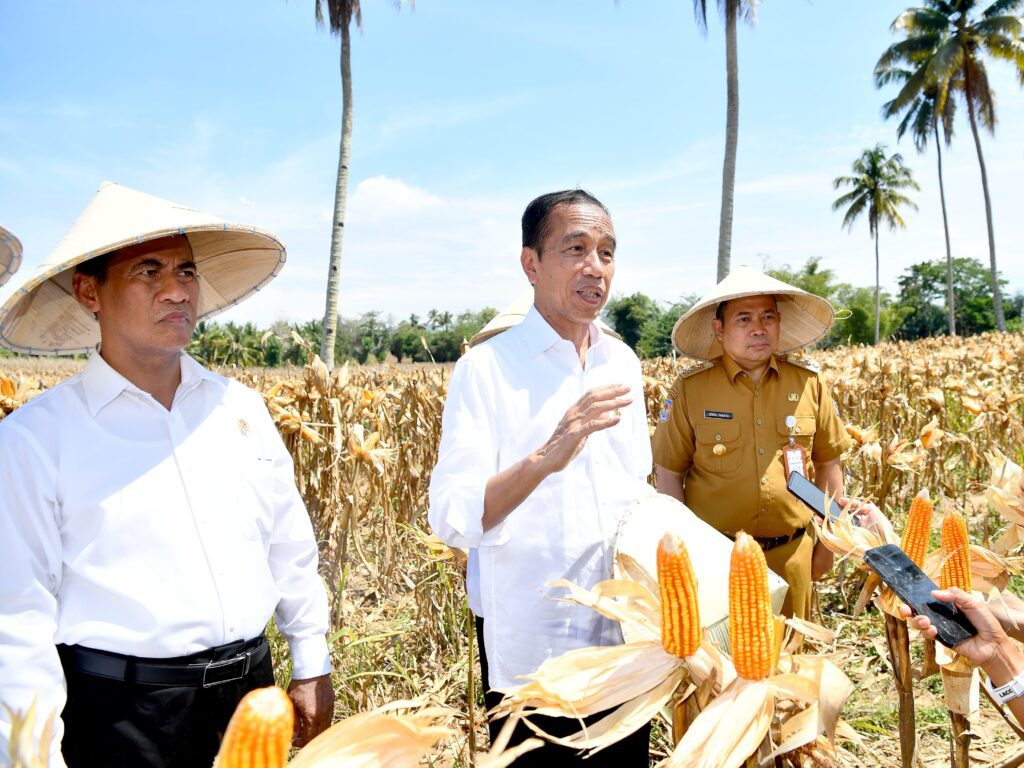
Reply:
x=718, y=415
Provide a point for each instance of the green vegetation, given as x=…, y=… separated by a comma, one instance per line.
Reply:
x=368, y=338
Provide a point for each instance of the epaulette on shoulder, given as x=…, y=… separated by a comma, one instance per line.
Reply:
x=693, y=370
x=802, y=362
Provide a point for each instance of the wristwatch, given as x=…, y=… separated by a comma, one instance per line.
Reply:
x=1012, y=690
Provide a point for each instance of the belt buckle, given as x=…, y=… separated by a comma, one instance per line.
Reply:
x=245, y=659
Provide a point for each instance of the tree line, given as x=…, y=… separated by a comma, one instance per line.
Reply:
x=368, y=339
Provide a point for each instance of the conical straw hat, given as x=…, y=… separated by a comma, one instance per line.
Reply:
x=43, y=317
x=512, y=315
x=10, y=255
x=804, y=317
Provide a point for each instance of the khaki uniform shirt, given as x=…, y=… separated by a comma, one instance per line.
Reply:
x=744, y=487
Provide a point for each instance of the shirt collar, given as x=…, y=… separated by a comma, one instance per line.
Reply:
x=732, y=368
x=540, y=336
x=102, y=383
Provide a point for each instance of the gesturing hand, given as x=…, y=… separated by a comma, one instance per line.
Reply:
x=598, y=409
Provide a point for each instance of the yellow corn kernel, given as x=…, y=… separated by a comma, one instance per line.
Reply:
x=260, y=731
x=677, y=588
x=917, y=528
x=751, y=623
x=956, y=553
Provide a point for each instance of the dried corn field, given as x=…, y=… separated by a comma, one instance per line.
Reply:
x=929, y=415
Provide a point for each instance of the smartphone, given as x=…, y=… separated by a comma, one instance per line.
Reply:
x=914, y=588
x=812, y=496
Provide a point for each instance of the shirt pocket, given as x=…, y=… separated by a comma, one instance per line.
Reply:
x=718, y=447
x=803, y=432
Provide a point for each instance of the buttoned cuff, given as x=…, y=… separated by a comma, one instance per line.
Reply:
x=310, y=657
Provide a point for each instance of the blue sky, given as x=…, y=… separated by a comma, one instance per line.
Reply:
x=464, y=111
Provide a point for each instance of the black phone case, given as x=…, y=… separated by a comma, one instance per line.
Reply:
x=914, y=588
x=812, y=496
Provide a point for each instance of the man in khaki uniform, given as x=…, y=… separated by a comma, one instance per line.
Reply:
x=723, y=427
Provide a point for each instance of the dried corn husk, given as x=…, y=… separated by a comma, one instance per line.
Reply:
x=25, y=749
x=396, y=735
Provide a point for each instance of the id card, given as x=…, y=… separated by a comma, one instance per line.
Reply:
x=793, y=458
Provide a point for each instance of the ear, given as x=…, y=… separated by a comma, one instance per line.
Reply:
x=529, y=259
x=84, y=288
x=717, y=327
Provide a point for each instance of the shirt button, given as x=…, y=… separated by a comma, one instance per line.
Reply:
x=718, y=437
x=760, y=422
x=764, y=481
x=797, y=430
x=761, y=451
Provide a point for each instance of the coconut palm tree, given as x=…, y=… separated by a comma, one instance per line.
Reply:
x=730, y=10
x=923, y=119
x=876, y=183
x=950, y=38
x=340, y=14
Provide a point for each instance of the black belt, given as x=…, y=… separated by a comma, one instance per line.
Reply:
x=772, y=542
x=183, y=672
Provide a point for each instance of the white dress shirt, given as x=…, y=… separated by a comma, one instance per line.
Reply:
x=130, y=528
x=505, y=398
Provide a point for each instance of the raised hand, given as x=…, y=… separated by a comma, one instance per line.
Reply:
x=599, y=408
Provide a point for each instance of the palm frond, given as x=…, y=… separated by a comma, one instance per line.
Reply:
x=891, y=74
x=859, y=206
x=1000, y=7
x=700, y=15
x=998, y=26
x=919, y=21
x=945, y=61
x=1008, y=49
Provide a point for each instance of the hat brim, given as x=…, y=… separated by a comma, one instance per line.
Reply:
x=513, y=315
x=10, y=255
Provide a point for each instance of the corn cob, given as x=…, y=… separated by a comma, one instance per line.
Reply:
x=956, y=553
x=260, y=731
x=677, y=587
x=915, y=532
x=751, y=623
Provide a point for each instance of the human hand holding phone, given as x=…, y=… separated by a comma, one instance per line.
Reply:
x=912, y=585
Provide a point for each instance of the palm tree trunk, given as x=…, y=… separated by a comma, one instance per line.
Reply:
x=732, y=120
x=340, y=198
x=950, y=310
x=878, y=295
x=997, y=296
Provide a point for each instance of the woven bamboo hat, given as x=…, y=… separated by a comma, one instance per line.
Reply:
x=513, y=315
x=10, y=255
x=44, y=318
x=804, y=317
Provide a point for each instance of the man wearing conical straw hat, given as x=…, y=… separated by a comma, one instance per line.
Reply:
x=734, y=425
x=149, y=521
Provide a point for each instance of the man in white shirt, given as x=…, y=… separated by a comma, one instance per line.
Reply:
x=149, y=521
x=544, y=444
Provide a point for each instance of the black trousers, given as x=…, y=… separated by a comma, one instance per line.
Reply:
x=632, y=752
x=120, y=724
